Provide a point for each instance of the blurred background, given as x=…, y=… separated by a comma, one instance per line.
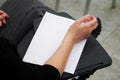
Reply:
x=110, y=34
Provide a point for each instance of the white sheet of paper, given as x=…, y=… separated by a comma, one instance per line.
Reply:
x=47, y=39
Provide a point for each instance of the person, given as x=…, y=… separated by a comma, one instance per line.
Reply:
x=15, y=68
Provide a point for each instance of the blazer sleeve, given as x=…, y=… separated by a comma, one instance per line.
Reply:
x=12, y=64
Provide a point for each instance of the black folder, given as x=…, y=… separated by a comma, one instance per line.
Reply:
x=93, y=57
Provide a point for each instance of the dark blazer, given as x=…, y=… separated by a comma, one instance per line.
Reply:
x=19, y=29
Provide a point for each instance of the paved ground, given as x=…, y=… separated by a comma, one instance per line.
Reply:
x=109, y=37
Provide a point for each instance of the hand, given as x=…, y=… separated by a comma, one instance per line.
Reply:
x=76, y=32
x=3, y=17
x=82, y=28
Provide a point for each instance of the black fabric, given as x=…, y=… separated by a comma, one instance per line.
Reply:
x=22, y=13
x=13, y=67
x=19, y=29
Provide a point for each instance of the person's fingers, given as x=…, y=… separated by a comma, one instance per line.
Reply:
x=94, y=27
x=1, y=17
x=91, y=17
x=83, y=19
x=4, y=21
x=2, y=13
x=0, y=23
x=91, y=23
x=6, y=15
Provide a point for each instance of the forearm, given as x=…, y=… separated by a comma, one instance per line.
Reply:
x=77, y=32
x=60, y=57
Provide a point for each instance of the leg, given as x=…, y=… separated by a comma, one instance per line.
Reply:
x=87, y=6
x=113, y=3
x=57, y=5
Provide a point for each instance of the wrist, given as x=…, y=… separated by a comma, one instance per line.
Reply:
x=69, y=38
